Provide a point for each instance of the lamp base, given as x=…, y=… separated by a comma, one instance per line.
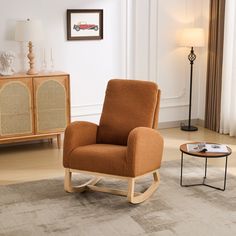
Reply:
x=31, y=72
x=189, y=128
x=30, y=55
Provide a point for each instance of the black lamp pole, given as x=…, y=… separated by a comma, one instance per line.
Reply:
x=191, y=57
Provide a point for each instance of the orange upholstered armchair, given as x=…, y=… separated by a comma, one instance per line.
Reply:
x=125, y=145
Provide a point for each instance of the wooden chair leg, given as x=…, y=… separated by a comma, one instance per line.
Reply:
x=67, y=181
x=80, y=188
x=131, y=184
x=59, y=141
x=146, y=194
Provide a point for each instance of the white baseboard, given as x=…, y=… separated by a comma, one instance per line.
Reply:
x=201, y=122
x=175, y=124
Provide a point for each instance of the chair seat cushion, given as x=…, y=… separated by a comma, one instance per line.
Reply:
x=102, y=158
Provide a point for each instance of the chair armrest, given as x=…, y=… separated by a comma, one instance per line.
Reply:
x=78, y=134
x=144, y=152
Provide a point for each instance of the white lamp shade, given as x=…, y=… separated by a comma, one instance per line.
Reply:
x=192, y=37
x=29, y=30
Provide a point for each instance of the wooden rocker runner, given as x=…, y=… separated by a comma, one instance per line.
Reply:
x=133, y=197
x=124, y=146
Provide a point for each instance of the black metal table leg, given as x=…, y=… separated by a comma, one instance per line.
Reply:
x=205, y=167
x=181, y=174
x=226, y=161
x=222, y=189
x=181, y=169
x=205, y=176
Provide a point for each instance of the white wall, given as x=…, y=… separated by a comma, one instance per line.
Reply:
x=90, y=63
x=155, y=54
x=139, y=43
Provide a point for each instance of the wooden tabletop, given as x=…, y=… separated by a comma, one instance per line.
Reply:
x=183, y=148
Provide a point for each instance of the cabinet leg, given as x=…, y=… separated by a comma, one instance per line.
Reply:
x=59, y=141
x=50, y=140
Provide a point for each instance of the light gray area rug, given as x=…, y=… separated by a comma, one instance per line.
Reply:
x=43, y=208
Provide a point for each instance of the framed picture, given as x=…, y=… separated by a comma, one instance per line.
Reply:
x=84, y=24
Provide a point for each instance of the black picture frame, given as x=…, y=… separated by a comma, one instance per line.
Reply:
x=84, y=24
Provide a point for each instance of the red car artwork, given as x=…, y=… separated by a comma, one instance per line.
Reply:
x=85, y=26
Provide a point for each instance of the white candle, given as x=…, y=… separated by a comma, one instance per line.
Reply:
x=51, y=55
x=44, y=56
x=44, y=60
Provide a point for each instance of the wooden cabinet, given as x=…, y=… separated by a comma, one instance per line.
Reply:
x=34, y=107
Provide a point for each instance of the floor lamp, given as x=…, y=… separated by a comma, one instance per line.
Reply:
x=192, y=37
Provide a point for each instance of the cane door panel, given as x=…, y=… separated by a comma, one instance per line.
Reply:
x=51, y=101
x=16, y=112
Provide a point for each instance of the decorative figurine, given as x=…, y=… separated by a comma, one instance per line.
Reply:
x=6, y=60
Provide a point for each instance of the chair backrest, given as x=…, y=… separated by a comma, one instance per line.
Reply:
x=128, y=104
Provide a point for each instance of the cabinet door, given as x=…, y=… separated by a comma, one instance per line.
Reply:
x=16, y=107
x=51, y=103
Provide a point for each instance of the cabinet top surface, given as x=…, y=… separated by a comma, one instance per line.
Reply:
x=40, y=74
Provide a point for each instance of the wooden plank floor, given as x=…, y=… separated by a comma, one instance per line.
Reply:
x=21, y=163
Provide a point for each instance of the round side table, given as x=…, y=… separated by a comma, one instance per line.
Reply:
x=206, y=155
